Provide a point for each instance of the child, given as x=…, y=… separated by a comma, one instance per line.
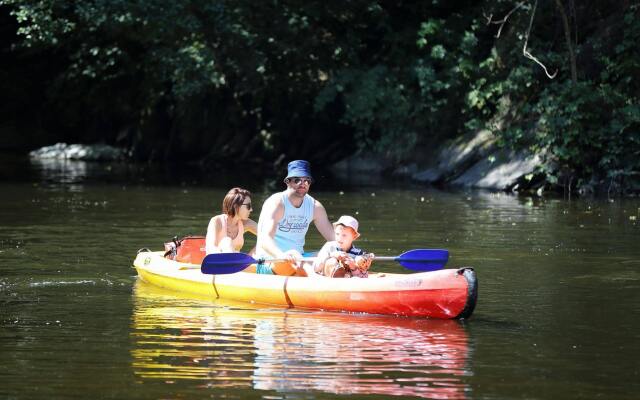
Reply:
x=340, y=258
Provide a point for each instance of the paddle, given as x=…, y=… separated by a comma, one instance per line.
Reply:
x=420, y=259
x=230, y=263
x=416, y=260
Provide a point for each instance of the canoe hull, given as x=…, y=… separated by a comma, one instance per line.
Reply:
x=449, y=293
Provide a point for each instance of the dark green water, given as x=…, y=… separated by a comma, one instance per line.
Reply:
x=557, y=315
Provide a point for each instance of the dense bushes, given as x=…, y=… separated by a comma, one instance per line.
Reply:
x=260, y=81
x=587, y=130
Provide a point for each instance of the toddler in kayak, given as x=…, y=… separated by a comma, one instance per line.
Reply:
x=339, y=258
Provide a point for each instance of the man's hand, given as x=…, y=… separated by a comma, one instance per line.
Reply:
x=292, y=256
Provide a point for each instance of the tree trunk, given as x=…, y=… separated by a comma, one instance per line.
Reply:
x=567, y=36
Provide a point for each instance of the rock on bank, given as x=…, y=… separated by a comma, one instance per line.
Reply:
x=474, y=161
x=477, y=161
x=84, y=152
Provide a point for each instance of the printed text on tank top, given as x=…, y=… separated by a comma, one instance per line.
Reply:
x=296, y=223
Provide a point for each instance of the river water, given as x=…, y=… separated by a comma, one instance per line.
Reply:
x=557, y=314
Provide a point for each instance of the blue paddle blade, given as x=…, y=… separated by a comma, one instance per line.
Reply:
x=424, y=259
x=226, y=263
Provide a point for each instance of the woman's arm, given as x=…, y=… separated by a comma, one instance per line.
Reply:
x=212, y=239
x=250, y=226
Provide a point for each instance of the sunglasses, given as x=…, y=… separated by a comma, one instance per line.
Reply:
x=298, y=181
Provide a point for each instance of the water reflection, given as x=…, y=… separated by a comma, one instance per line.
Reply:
x=65, y=171
x=231, y=345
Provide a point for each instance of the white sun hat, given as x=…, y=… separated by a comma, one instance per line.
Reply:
x=348, y=221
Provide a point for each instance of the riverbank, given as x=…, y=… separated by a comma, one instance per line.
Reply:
x=473, y=161
x=478, y=161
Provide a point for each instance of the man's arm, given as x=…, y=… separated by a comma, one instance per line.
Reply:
x=272, y=212
x=322, y=223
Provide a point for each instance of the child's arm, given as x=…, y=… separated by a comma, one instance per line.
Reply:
x=322, y=257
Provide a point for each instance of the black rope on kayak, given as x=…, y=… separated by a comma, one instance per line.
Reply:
x=213, y=282
x=286, y=294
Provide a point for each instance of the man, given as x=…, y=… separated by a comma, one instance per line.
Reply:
x=284, y=221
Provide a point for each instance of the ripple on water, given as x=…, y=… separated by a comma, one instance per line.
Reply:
x=62, y=283
x=226, y=345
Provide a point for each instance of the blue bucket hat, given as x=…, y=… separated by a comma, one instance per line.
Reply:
x=299, y=168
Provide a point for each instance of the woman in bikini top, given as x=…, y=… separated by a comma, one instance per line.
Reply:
x=225, y=233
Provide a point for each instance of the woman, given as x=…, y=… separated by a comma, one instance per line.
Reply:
x=225, y=233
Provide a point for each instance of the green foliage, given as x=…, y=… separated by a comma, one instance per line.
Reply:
x=376, y=106
x=244, y=80
x=583, y=128
x=39, y=20
x=588, y=131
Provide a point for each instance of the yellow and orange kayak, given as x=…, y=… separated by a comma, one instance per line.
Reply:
x=447, y=293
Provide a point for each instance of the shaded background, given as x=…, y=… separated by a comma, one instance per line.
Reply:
x=257, y=83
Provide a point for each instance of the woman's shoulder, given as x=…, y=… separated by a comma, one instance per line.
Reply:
x=216, y=220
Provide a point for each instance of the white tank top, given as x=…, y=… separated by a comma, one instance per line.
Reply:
x=292, y=228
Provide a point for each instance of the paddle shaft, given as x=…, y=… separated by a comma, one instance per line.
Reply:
x=417, y=260
x=385, y=258
x=310, y=259
x=270, y=260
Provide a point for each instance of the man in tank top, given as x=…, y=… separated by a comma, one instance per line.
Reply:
x=284, y=221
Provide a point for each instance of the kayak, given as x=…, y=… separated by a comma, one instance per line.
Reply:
x=443, y=294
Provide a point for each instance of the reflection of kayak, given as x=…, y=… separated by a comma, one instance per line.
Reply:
x=448, y=293
x=189, y=340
